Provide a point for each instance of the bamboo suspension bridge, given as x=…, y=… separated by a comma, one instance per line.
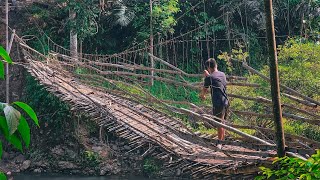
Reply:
x=111, y=90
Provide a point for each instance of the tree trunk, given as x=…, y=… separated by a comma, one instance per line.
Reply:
x=73, y=38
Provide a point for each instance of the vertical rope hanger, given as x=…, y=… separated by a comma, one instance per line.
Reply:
x=161, y=46
x=227, y=21
x=191, y=49
x=214, y=43
x=183, y=55
x=171, y=45
x=200, y=60
x=167, y=49
x=206, y=29
x=198, y=52
x=186, y=54
x=247, y=35
x=175, y=44
x=288, y=17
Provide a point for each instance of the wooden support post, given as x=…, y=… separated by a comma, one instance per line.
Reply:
x=7, y=49
x=274, y=77
x=151, y=42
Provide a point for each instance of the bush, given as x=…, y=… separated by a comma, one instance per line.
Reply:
x=293, y=168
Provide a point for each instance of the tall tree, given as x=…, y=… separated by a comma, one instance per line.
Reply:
x=73, y=36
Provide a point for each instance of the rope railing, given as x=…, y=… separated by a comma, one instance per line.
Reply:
x=125, y=70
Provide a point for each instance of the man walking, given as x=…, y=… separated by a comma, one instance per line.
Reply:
x=217, y=82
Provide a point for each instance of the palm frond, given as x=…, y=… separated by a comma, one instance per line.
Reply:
x=120, y=14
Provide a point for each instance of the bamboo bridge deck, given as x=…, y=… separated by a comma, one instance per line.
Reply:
x=142, y=125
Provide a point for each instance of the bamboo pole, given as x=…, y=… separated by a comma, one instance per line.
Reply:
x=307, y=103
x=151, y=41
x=268, y=101
x=167, y=64
x=295, y=117
x=287, y=135
x=7, y=49
x=274, y=78
x=248, y=113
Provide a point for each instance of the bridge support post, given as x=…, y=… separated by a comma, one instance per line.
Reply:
x=7, y=49
x=274, y=77
x=151, y=42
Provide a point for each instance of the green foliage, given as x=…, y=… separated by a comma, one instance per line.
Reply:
x=151, y=166
x=12, y=117
x=13, y=120
x=2, y=176
x=1, y=150
x=6, y=57
x=293, y=168
x=85, y=22
x=227, y=66
x=175, y=93
x=15, y=141
x=163, y=14
x=163, y=19
x=298, y=69
x=92, y=158
x=48, y=106
x=80, y=70
x=28, y=110
x=24, y=130
x=299, y=64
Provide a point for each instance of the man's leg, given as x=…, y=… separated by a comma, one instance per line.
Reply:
x=221, y=131
x=220, y=113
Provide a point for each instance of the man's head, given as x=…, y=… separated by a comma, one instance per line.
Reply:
x=211, y=65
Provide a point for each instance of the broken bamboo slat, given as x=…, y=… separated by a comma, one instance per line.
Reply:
x=267, y=101
x=307, y=103
x=247, y=113
x=287, y=135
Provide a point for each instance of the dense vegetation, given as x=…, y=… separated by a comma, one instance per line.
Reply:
x=293, y=168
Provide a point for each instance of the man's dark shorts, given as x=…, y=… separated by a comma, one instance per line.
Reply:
x=221, y=112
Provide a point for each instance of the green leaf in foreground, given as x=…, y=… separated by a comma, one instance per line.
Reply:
x=24, y=130
x=2, y=106
x=5, y=55
x=1, y=150
x=2, y=176
x=4, y=127
x=12, y=117
x=15, y=141
x=28, y=110
x=1, y=70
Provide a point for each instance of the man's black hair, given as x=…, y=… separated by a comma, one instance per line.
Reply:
x=211, y=63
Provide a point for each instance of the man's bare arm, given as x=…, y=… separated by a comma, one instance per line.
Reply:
x=203, y=93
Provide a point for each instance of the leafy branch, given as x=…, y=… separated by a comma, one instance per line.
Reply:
x=13, y=125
